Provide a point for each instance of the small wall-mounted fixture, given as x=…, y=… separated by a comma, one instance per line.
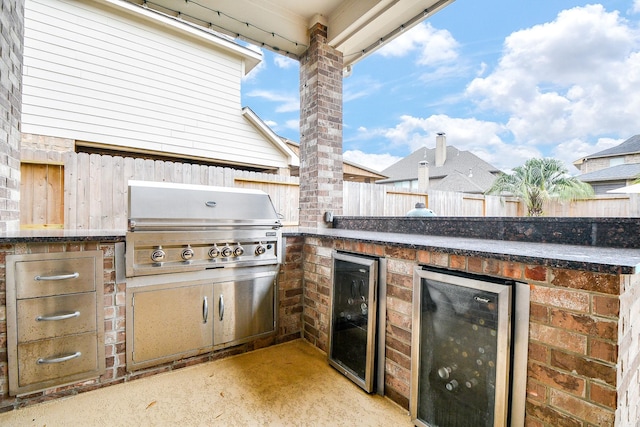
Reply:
x=328, y=217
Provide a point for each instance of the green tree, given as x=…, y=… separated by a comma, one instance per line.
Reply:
x=539, y=180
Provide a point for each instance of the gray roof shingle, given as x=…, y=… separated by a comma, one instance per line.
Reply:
x=460, y=162
x=631, y=145
x=614, y=173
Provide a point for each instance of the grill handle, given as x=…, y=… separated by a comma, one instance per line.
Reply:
x=205, y=310
x=221, y=307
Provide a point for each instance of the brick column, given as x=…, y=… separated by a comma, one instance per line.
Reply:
x=320, y=130
x=11, y=47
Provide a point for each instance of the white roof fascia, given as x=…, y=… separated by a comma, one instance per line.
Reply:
x=251, y=58
x=292, y=158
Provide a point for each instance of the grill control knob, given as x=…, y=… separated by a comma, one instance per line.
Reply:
x=158, y=255
x=226, y=252
x=214, y=252
x=239, y=250
x=260, y=250
x=187, y=254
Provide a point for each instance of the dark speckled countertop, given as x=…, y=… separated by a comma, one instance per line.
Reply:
x=60, y=235
x=574, y=257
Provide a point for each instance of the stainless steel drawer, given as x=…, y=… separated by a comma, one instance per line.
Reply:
x=50, y=317
x=56, y=276
x=57, y=359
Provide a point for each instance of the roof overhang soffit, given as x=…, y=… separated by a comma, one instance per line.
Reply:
x=355, y=27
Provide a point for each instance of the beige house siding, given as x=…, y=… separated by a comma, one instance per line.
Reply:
x=101, y=74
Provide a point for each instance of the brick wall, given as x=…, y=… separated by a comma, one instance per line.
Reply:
x=11, y=47
x=320, y=130
x=583, y=344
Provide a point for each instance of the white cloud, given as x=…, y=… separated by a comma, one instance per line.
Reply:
x=636, y=6
x=433, y=46
x=359, y=88
x=573, y=78
x=377, y=162
x=284, y=62
x=287, y=102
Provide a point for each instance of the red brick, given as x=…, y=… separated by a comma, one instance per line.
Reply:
x=603, y=350
x=557, y=379
x=584, y=367
x=537, y=273
x=539, y=313
x=606, y=306
x=581, y=409
x=439, y=259
x=474, y=264
x=586, y=280
x=538, y=352
x=603, y=395
x=424, y=257
x=402, y=253
x=491, y=266
x=601, y=328
x=560, y=338
x=536, y=391
x=562, y=298
x=549, y=416
x=512, y=270
x=458, y=262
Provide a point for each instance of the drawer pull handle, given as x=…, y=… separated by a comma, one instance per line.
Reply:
x=59, y=277
x=60, y=359
x=58, y=317
x=205, y=310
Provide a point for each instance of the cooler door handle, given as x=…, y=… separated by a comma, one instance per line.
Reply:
x=221, y=307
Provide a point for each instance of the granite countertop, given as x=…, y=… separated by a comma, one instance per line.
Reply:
x=61, y=235
x=574, y=257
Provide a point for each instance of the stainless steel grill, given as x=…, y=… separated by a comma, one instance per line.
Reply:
x=201, y=264
x=179, y=228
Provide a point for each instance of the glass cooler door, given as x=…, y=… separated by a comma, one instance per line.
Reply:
x=460, y=351
x=353, y=318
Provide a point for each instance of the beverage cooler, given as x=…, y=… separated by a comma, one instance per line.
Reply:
x=356, y=343
x=469, y=350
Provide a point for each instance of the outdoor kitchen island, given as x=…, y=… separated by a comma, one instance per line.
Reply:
x=583, y=329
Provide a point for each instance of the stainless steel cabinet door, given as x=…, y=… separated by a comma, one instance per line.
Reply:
x=243, y=308
x=169, y=322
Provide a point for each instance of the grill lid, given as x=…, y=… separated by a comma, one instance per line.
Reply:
x=168, y=206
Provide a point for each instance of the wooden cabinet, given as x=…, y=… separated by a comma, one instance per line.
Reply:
x=173, y=316
x=55, y=324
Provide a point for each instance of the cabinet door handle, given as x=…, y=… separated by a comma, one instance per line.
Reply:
x=59, y=277
x=64, y=316
x=60, y=359
x=221, y=307
x=205, y=310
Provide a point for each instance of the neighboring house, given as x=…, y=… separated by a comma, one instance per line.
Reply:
x=351, y=171
x=114, y=78
x=442, y=168
x=612, y=168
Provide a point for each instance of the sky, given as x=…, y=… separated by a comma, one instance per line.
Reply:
x=507, y=80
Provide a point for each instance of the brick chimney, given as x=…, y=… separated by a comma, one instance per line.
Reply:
x=441, y=149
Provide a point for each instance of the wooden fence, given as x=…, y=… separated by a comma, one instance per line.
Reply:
x=95, y=194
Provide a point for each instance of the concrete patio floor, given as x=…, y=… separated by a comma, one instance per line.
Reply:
x=289, y=384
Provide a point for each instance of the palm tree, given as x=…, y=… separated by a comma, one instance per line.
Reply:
x=539, y=180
